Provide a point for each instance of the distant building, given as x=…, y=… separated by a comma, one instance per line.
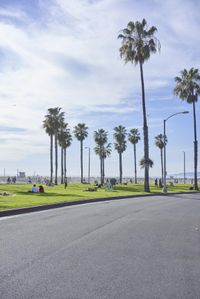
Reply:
x=21, y=174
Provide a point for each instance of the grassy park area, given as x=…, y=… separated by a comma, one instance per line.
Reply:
x=20, y=197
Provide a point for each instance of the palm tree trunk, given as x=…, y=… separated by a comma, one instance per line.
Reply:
x=145, y=132
x=51, y=158
x=81, y=149
x=161, y=157
x=195, y=148
x=103, y=170
x=65, y=164
x=135, y=163
x=56, y=159
x=61, y=164
x=120, y=168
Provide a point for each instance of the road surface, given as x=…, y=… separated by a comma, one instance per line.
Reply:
x=139, y=248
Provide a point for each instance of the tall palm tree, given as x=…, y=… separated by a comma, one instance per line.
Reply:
x=103, y=152
x=81, y=132
x=57, y=117
x=101, y=138
x=188, y=88
x=68, y=141
x=106, y=152
x=61, y=136
x=160, y=142
x=64, y=139
x=48, y=126
x=134, y=137
x=138, y=43
x=120, y=145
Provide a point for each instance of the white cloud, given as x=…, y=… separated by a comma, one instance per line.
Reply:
x=12, y=13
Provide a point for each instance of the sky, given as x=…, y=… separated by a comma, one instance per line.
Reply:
x=65, y=53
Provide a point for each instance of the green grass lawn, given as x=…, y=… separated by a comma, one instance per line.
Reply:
x=74, y=192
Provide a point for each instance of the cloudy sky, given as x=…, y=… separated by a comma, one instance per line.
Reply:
x=65, y=53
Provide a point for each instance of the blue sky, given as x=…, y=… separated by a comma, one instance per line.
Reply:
x=65, y=53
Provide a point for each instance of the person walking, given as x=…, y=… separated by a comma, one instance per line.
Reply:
x=65, y=182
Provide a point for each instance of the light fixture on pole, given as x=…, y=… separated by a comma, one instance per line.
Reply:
x=88, y=163
x=164, y=133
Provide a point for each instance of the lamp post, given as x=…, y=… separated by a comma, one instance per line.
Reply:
x=164, y=132
x=88, y=163
x=184, y=167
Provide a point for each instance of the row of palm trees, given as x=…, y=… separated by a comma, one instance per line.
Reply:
x=60, y=135
x=138, y=43
x=103, y=148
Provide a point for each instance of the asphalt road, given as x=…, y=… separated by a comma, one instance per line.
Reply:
x=131, y=248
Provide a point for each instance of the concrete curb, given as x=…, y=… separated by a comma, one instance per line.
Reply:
x=19, y=211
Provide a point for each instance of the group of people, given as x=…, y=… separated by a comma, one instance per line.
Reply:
x=36, y=189
x=11, y=180
x=40, y=189
x=158, y=182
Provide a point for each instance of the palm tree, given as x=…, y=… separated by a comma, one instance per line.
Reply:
x=103, y=152
x=134, y=137
x=58, y=119
x=188, y=88
x=67, y=144
x=160, y=142
x=101, y=138
x=81, y=132
x=48, y=126
x=138, y=43
x=144, y=163
x=106, y=152
x=120, y=145
x=60, y=142
x=64, y=139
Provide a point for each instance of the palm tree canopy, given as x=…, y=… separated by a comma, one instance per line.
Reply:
x=81, y=131
x=100, y=137
x=138, y=42
x=57, y=117
x=160, y=141
x=53, y=120
x=103, y=151
x=120, y=137
x=48, y=125
x=144, y=163
x=107, y=150
x=64, y=137
x=134, y=136
x=187, y=85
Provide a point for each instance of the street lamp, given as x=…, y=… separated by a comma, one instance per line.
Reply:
x=164, y=131
x=88, y=163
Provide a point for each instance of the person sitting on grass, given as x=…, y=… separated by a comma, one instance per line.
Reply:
x=41, y=189
x=34, y=189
